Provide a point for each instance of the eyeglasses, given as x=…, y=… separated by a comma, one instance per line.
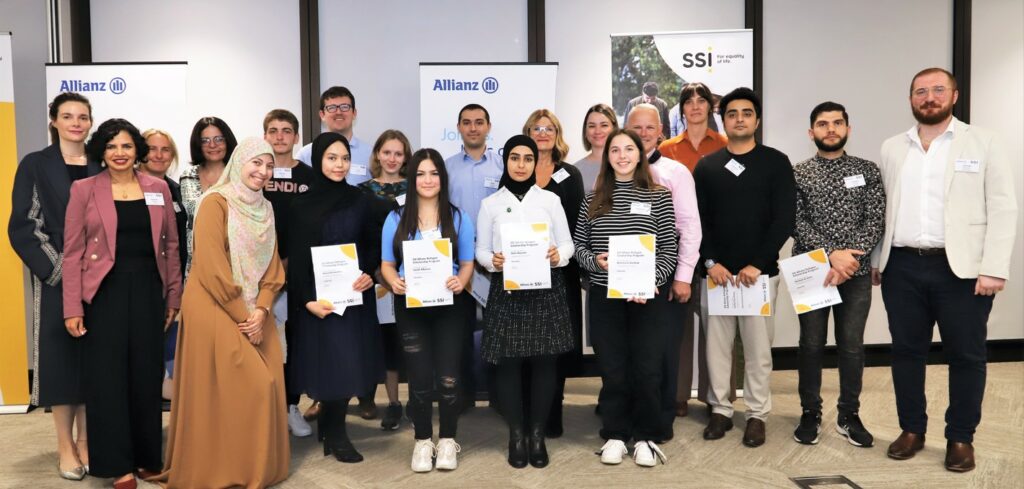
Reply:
x=330, y=109
x=543, y=129
x=938, y=91
x=216, y=140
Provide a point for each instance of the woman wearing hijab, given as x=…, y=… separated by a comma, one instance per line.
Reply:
x=524, y=327
x=337, y=353
x=228, y=422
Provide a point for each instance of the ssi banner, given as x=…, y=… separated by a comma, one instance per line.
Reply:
x=149, y=95
x=654, y=67
x=14, y=395
x=509, y=92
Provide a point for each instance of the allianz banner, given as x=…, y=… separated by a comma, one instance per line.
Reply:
x=509, y=92
x=149, y=95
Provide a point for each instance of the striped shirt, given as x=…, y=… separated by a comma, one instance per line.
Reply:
x=591, y=235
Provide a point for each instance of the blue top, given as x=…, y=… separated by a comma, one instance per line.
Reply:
x=360, y=160
x=470, y=181
x=463, y=225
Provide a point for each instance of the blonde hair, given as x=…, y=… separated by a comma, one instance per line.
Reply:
x=389, y=135
x=174, y=147
x=561, y=149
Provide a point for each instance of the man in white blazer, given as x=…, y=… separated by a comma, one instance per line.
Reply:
x=950, y=224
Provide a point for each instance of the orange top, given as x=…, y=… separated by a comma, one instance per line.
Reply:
x=680, y=149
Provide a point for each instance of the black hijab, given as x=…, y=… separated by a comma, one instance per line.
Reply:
x=518, y=189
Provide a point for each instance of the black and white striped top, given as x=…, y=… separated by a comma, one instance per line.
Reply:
x=591, y=236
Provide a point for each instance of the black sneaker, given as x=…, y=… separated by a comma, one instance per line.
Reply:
x=809, y=429
x=849, y=425
x=392, y=417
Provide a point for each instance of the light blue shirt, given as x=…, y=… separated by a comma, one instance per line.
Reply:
x=463, y=227
x=360, y=170
x=471, y=181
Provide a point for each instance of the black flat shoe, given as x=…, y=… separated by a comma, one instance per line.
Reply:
x=538, y=450
x=346, y=453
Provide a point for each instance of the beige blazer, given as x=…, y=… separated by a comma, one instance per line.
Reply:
x=980, y=208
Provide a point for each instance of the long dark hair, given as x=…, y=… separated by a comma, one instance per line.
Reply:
x=601, y=204
x=408, y=220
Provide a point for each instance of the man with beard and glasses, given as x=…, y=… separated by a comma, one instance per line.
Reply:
x=950, y=225
x=840, y=206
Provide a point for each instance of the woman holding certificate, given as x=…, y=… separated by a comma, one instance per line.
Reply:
x=523, y=238
x=427, y=260
x=626, y=243
x=337, y=344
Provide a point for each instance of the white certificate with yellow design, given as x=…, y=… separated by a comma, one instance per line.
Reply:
x=740, y=300
x=805, y=276
x=428, y=265
x=335, y=269
x=631, y=266
x=525, y=246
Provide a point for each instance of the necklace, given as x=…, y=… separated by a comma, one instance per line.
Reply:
x=124, y=191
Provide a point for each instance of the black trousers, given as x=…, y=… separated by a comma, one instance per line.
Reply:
x=291, y=398
x=920, y=291
x=124, y=370
x=630, y=341
x=541, y=389
x=432, y=343
x=675, y=316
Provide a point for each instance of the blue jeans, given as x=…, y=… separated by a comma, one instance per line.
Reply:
x=850, y=317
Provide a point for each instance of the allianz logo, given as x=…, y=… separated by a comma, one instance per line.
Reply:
x=116, y=85
x=487, y=85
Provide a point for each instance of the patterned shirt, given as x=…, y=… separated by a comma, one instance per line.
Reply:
x=840, y=205
x=191, y=190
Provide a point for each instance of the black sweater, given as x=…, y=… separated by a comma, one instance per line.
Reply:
x=747, y=218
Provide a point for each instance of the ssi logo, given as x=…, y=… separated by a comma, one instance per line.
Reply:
x=697, y=60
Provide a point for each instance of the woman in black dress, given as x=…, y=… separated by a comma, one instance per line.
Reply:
x=336, y=357
x=39, y=200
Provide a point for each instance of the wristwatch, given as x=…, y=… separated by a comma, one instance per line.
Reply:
x=709, y=264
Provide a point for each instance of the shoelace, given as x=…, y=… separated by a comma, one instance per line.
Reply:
x=611, y=443
x=427, y=443
x=654, y=448
x=457, y=447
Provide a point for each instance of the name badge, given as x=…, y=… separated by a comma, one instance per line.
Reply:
x=283, y=173
x=642, y=208
x=358, y=170
x=491, y=182
x=560, y=175
x=177, y=208
x=154, y=198
x=968, y=166
x=400, y=200
x=735, y=167
x=431, y=234
x=854, y=181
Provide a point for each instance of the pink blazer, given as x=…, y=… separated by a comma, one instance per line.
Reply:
x=90, y=235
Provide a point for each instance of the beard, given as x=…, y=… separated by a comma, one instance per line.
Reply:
x=934, y=118
x=828, y=148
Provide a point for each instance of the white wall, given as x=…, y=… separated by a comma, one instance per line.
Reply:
x=997, y=103
x=243, y=55
x=375, y=50
x=578, y=38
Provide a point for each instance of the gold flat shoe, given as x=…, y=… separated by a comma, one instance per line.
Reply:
x=75, y=474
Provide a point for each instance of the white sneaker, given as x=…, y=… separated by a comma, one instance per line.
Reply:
x=423, y=456
x=612, y=452
x=644, y=453
x=446, y=454
x=296, y=424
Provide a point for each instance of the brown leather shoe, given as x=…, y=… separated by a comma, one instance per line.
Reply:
x=753, y=436
x=367, y=408
x=681, y=409
x=717, y=426
x=906, y=445
x=959, y=456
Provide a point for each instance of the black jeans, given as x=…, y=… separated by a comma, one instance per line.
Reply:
x=850, y=317
x=919, y=291
x=542, y=385
x=630, y=341
x=675, y=319
x=432, y=341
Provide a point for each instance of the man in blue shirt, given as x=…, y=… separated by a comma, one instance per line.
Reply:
x=474, y=172
x=338, y=113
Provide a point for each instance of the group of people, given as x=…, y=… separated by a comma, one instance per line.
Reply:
x=120, y=255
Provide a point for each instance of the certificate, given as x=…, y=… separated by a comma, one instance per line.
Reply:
x=385, y=305
x=480, y=286
x=428, y=264
x=805, y=276
x=740, y=300
x=525, y=246
x=335, y=269
x=631, y=266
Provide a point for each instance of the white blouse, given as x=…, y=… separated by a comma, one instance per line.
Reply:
x=503, y=207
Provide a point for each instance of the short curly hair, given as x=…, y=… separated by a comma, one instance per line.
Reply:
x=110, y=128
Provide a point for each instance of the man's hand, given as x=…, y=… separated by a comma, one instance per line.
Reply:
x=721, y=275
x=988, y=285
x=748, y=276
x=680, y=292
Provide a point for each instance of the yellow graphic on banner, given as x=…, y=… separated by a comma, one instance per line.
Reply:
x=14, y=388
x=711, y=284
x=381, y=292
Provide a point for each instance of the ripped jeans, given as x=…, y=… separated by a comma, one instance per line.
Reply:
x=431, y=339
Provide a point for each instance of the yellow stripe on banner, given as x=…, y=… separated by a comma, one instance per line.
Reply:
x=13, y=350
